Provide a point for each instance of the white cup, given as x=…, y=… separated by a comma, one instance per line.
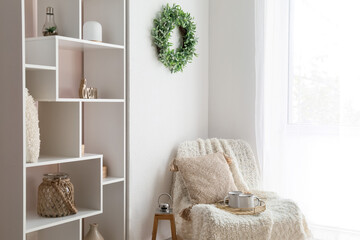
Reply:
x=233, y=198
x=238, y=199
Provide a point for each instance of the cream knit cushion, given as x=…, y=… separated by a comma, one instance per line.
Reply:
x=32, y=129
x=208, y=178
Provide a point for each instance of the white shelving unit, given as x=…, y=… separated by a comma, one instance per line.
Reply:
x=52, y=68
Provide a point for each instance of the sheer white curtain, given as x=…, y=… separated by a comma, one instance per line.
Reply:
x=308, y=108
x=271, y=49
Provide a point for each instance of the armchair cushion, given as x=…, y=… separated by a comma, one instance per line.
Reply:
x=207, y=178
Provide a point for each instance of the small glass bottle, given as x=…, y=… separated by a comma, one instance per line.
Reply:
x=49, y=27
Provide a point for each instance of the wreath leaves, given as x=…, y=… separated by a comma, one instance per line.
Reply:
x=164, y=24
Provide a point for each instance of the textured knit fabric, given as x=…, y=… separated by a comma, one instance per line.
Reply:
x=282, y=220
x=207, y=178
x=32, y=129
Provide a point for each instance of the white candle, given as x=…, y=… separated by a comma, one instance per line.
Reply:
x=92, y=30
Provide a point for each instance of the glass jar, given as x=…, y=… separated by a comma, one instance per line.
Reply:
x=56, y=196
x=49, y=28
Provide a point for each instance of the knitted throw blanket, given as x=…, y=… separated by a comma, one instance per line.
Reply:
x=282, y=220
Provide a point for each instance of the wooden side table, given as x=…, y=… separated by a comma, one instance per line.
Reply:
x=164, y=216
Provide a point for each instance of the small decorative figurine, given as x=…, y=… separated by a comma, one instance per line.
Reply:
x=87, y=92
x=82, y=90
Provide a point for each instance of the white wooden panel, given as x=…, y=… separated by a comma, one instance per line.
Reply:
x=112, y=220
x=49, y=160
x=67, y=16
x=111, y=15
x=12, y=182
x=79, y=44
x=111, y=180
x=60, y=129
x=68, y=231
x=104, y=69
x=35, y=223
x=90, y=100
x=86, y=177
x=33, y=67
x=41, y=51
x=41, y=84
x=104, y=133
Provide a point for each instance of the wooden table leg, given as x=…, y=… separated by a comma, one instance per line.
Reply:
x=155, y=226
x=173, y=228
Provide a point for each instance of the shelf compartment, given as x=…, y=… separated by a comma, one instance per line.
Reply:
x=101, y=64
x=111, y=15
x=50, y=160
x=112, y=220
x=41, y=82
x=68, y=231
x=67, y=15
x=41, y=51
x=104, y=132
x=85, y=176
x=111, y=180
x=102, y=67
x=60, y=129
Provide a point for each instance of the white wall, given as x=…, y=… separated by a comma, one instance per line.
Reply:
x=165, y=109
x=232, y=70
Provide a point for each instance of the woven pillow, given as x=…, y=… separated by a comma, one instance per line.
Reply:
x=208, y=178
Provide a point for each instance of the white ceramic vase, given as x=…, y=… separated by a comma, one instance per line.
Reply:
x=93, y=233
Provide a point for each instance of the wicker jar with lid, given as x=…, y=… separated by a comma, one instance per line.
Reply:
x=56, y=196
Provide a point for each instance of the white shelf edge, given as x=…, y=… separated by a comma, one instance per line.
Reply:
x=110, y=180
x=89, y=100
x=39, y=67
x=35, y=223
x=49, y=160
x=77, y=41
x=98, y=100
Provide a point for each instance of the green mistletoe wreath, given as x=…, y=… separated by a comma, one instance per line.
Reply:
x=171, y=17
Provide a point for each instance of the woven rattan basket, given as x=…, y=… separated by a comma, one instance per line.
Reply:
x=56, y=196
x=242, y=211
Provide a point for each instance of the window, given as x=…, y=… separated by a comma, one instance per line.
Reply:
x=309, y=120
x=324, y=93
x=324, y=87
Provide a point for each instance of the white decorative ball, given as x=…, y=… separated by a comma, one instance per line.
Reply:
x=92, y=30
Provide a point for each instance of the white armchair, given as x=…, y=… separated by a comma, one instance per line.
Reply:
x=282, y=220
